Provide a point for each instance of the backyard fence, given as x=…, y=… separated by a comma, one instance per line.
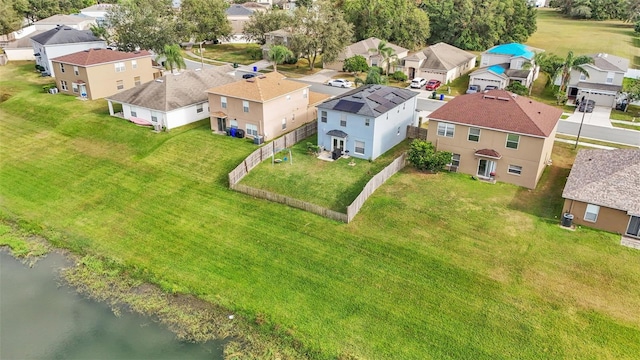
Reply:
x=375, y=182
x=414, y=132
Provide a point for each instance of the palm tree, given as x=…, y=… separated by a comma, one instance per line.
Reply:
x=172, y=57
x=386, y=52
x=572, y=62
x=279, y=54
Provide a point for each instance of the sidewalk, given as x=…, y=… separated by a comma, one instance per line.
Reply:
x=595, y=146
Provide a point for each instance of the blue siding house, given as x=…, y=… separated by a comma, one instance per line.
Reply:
x=367, y=121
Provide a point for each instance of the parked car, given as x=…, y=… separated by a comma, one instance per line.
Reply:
x=490, y=87
x=418, y=82
x=433, y=84
x=340, y=83
x=587, y=105
x=248, y=76
x=473, y=89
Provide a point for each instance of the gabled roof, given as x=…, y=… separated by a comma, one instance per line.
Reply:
x=238, y=10
x=97, y=7
x=441, y=56
x=607, y=62
x=99, y=56
x=65, y=35
x=609, y=178
x=500, y=110
x=498, y=70
x=174, y=91
x=513, y=49
x=261, y=88
x=60, y=19
x=369, y=100
x=364, y=48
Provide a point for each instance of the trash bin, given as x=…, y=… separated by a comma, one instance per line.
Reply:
x=240, y=133
x=567, y=220
x=235, y=65
x=228, y=131
x=441, y=96
x=255, y=68
x=232, y=132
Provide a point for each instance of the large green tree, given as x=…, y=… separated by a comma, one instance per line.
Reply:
x=279, y=54
x=204, y=19
x=356, y=64
x=385, y=53
x=572, y=62
x=597, y=9
x=11, y=18
x=262, y=22
x=172, y=57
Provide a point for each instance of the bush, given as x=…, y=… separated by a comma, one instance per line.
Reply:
x=636, y=27
x=291, y=60
x=399, y=76
x=255, y=53
x=517, y=88
x=423, y=156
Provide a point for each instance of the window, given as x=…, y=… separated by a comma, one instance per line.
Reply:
x=512, y=141
x=610, y=77
x=284, y=123
x=63, y=85
x=233, y=123
x=252, y=130
x=455, y=159
x=154, y=118
x=583, y=77
x=304, y=93
x=323, y=116
x=136, y=80
x=119, y=67
x=474, y=134
x=134, y=64
x=134, y=113
x=358, y=147
x=74, y=86
x=398, y=133
x=62, y=67
x=445, y=129
x=76, y=71
x=245, y=106
x=200, y=108
x=366, y=122
x=343, y=120
x=223, y=102
x=592, y=213
x=634, y=226
x=515, y=170
x=120, y=84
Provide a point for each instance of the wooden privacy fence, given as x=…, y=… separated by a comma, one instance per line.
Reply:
x=414, y=132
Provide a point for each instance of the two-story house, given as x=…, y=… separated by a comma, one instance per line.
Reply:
x=367, y=49
x=267, y=105
x=238, y=15
x=98, y=73
x=60, y=41
x=503, y=64
x=441, y=61
x=496, y=135
x=276, y=37
x=604, y=82
x=367, y=121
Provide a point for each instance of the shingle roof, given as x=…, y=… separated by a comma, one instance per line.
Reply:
x=364, y=48
x=174, y=91
x=261, y=88
x=608, y=62
x=609, y=178
x=369, y=100
x=596, y=86
x=98, y=7
x=60, y=19
x=238, y=10
x=65, y=35
x=513, y=49
x=441, y=56
x=99, y=56
x=500, y=110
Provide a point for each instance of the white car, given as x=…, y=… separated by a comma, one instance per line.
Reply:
x=340, y=83
x=418, y=82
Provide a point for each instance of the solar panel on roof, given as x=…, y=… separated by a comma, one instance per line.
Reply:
x=401, y=94
x=377, y=98
x=348, y=106
x=381, y=109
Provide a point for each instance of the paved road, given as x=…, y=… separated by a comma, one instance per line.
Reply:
x=322, y=88
x=610, y=134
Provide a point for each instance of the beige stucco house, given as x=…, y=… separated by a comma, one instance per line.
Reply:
x=496, y=135
x=98, y=73
x=441, y=61
x=267, y=105
x=604, y=82
x=603, y=191
x=239, y=14
x=366, y=48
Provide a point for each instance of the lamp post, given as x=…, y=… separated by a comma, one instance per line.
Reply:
x=586, y=103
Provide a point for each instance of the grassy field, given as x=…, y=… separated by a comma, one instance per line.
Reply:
x=434, y=266
x=244, y=54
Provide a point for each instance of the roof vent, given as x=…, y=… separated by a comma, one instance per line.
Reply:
x=503, y=98
x=488, y=97
x=159, y=80
x=198, y=69
x=262, y=77
x=251, y=80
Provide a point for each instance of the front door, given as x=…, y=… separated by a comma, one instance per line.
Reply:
x=634, y=226
x=222, y=124
x=83, y=90
x=337, y=143
x=486, y=167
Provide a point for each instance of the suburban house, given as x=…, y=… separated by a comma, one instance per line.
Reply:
x=61, y=41
x=503, y=64
x=172, y=100
x=276, y=37
x=98, y=12
x=239, y=14
x=97, y=73
x=604, y=82
x=603, y=191
x=367, y=121
x=266, y=105
x=74, y=21
x=440, y=61
x=496, y=135
x=366, y=48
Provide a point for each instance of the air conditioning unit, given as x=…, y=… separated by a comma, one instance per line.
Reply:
x=53, y=91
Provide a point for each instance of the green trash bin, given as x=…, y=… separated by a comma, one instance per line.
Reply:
x=235, y=65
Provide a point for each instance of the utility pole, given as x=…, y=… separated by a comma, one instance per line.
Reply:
x=586, y=103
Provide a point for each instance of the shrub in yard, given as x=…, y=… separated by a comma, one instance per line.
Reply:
x=517, y=88
x=356, y=64
x=423, y=155
x=636, y=27
x=399, y=76
x=255, y=53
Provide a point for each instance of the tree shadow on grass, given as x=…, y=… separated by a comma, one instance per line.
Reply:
x=546, y=200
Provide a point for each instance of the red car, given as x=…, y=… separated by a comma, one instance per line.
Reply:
x=433, y=84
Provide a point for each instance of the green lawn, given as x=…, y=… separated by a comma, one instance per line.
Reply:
x=434, y=266
x=312, y=180
x=244, y=54
x=557, y=34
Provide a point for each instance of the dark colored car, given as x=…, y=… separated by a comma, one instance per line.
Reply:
x=248, y=76
x=432, y=84
x=490, y=87
x=588, y=105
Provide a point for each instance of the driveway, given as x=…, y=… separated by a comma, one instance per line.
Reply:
x=321, y=76
x=599, y=117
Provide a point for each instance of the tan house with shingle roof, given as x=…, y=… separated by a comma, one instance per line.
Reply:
x=267, y=105
x=496, y=135
x=173, y=100
x=97, y=73
x=366, y=48
x=603, y=191
x=441, y=61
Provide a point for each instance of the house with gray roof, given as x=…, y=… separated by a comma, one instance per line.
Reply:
x=602, y=191
x=504, y=64
x=239, y=14
x=367, y=121
x=60, y=41
x=441, y=61
x=604, y=80
x=172, y=100
x=366, y=48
